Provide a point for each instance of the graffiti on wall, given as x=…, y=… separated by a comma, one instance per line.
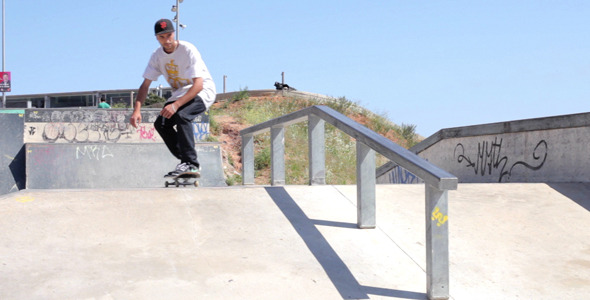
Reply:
x=201, y=131
x=97, y=126
x=400, y=175
x=490, y=161
x=84, y=133
x=77, y=126
x=93, y=152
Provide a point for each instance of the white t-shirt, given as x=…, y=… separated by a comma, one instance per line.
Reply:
x=179, y=68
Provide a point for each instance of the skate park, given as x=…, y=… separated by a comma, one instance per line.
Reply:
x=516, y=216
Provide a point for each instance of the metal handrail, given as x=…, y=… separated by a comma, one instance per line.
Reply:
x=437, y=180
x=430, y=173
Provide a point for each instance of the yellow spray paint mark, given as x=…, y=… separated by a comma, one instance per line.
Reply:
x=9, y=157
x=24, y=199
x=437, y=215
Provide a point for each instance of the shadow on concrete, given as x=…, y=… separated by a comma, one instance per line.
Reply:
x=394, y=293
x=17, y=168
x=335, y=268
x=333, y=224
x=12, y=154
x=577, y=192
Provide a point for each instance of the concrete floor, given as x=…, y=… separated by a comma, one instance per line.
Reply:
x=507, y=241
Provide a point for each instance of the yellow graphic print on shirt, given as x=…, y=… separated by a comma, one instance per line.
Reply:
x=173, y=79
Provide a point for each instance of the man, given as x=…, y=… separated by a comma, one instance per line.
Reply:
x=103, y=103
x=193, y=92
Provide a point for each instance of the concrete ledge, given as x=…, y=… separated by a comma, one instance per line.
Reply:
x=85, y=166
x=274, y=93
x=551, y=149
x=547, y=123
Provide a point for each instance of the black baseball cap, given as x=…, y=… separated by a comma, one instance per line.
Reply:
x=164, y=26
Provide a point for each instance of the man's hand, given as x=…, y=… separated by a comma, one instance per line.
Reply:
x=168, y=111
x=141, y=95
x=135, y=119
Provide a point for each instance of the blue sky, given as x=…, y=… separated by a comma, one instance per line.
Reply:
x=434, y=64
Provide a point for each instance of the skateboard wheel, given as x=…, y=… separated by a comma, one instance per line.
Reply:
x=177, y=185
x=166, y=184
x=196, y=183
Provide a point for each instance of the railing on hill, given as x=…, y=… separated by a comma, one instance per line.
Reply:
x=437, y=181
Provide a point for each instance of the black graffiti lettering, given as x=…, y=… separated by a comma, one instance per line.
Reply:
x=540, y=148
x=489, y=158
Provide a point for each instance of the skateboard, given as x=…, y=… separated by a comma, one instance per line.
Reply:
x=187, y=178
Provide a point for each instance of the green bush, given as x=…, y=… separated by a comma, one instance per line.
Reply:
x=154, y=99
x=408, y=132
x=119, y=105
x=243, y=94
x=262, y=159
x=233, y=180
x=214, y=127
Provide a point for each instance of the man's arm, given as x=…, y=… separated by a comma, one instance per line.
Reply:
x=170, y=110
x=139, y=100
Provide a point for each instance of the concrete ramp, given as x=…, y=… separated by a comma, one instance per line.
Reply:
x=91, y=166
x=507, y=241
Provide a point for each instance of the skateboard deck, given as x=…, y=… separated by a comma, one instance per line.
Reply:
x=187, y=178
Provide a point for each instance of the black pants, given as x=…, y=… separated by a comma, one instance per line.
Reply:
x=181, y=141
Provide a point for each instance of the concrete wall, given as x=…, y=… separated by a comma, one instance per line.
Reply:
x=54, y=136
x=552, y=149
x=92, y=166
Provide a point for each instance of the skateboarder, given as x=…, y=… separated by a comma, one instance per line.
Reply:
x=193, y=92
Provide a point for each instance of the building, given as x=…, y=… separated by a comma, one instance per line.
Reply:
x=117, y=98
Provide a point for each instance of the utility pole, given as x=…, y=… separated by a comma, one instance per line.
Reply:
x=176, y=9
x=3, y=55
x=177, y=18
x=224, y=78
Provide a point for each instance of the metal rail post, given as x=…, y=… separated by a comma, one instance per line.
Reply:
x=248, y=159
x=317, y=150
x=437, y=243
x=365, y=186
x=277, y=155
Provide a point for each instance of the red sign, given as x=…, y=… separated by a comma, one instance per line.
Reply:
x=4, y=81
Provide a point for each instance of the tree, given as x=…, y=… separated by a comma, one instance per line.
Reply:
x=154, y=100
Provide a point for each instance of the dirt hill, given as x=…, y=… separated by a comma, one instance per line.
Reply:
x=230, y=116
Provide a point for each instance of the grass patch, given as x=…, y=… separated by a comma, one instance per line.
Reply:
x=233, y=180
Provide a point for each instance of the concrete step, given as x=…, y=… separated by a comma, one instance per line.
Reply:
x=105, y=165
